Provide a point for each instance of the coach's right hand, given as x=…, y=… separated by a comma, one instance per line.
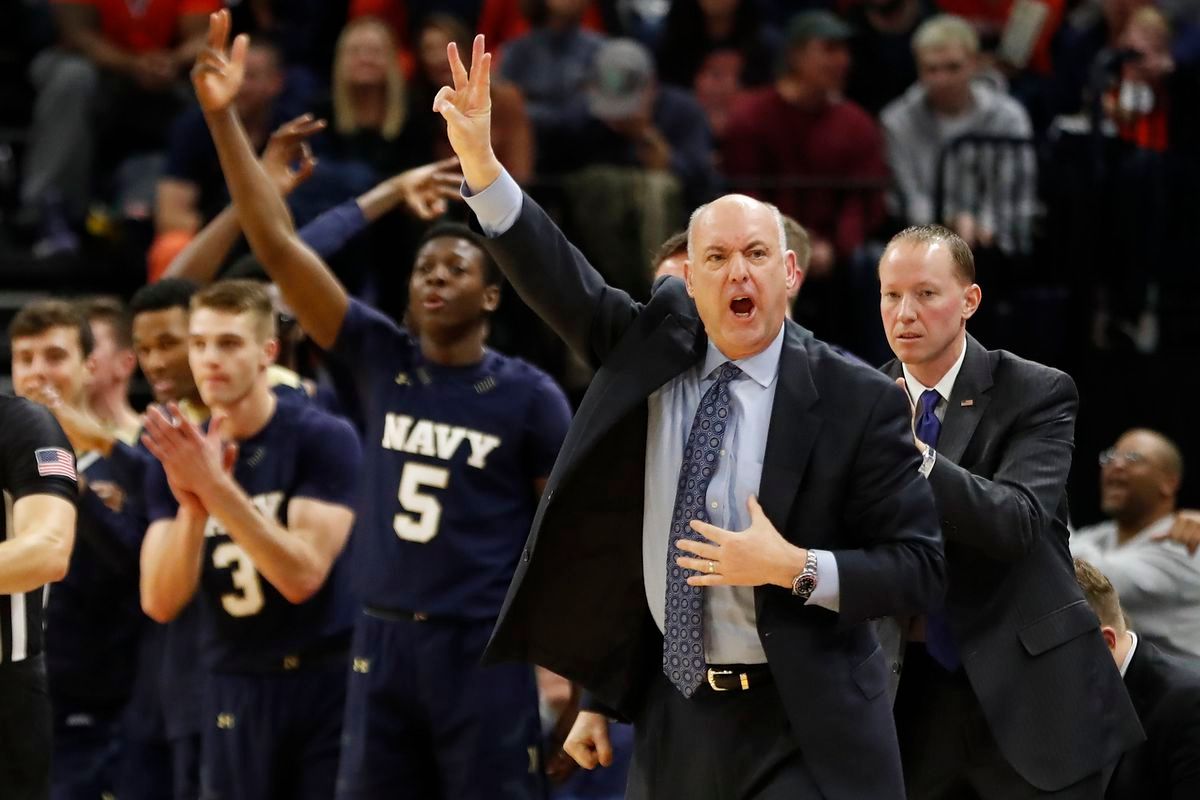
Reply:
x=219, y=71
x=467, y=107
x=588, y=741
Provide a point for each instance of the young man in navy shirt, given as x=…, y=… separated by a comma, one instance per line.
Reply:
x=460, y=440
x=93, y=622
x=252, y=513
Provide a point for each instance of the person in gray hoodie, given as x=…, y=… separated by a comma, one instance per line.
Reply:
x=990, y=193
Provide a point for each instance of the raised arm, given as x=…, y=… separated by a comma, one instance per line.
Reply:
x=207, y=251
x=545, y=269
x=307, y=284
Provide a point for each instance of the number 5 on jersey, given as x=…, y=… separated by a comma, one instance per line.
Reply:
x=422, y=511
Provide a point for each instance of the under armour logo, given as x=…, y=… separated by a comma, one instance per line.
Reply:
x=226, y=721
x=402, y=379
x=361, y=666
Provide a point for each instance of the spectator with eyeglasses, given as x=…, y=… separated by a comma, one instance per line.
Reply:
x=1142, y=546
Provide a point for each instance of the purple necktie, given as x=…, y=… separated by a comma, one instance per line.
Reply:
x=939, y=640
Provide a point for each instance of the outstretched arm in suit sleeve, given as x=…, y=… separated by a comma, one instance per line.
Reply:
x=1004, y=516
x=898, y=567
x=546, y=270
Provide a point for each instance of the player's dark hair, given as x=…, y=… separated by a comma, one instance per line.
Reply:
x=239, y=297
x=160, y=296
x=111, y=311
x=676, y=244
x=246, y=268
x=492, y=276
x=40, y=316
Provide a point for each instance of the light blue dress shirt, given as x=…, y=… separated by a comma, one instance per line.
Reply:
x=730, y=630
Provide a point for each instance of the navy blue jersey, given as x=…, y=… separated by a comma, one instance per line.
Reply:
x=93, y=615
x=301, y=452
x=451, y=458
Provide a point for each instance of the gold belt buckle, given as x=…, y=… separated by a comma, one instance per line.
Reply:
x=712, y=676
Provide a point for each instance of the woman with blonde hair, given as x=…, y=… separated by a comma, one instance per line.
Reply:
x=370, y=109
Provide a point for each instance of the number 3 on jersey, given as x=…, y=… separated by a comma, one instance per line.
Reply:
x=422, y=511
x=248, y=599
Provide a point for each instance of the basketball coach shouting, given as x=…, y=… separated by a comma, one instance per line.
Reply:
x=733, y=502
x=1007, y=694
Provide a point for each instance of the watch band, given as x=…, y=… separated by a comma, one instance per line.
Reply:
x=805, y=583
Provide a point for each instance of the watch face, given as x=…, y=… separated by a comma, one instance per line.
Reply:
x=805, y=584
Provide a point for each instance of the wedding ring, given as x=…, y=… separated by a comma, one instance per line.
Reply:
x=712, y=567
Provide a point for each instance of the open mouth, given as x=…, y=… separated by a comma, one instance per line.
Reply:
x=433, y=302
x=909, y=337
x=742, y=307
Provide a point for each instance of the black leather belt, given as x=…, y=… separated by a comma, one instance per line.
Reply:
x=737, y=677
x=397, y=615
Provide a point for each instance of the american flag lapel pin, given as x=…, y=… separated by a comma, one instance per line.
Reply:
x=967, y=403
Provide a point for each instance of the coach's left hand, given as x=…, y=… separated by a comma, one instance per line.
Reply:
x=756, y=556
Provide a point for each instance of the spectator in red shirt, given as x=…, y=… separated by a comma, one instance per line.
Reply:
x=800, y=145
x=111, y=85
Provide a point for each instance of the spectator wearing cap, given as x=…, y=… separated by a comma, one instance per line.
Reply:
x=945, y=103
x=802, y=146
x=1158, y=580
x=642, y=156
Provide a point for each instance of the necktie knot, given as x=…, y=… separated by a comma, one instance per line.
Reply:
x=929, y=400
x=728, y=372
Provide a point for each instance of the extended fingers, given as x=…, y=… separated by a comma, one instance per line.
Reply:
x=457, y=69
x=701, y=549
x=218, y=29
x=241, y=44
x=709, y=531
x=481, y=77
x=704, y=566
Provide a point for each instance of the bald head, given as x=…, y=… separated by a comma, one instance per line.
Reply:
x=734, y=206
x=1140, y=477
x=1157, y=447
x=739, y=271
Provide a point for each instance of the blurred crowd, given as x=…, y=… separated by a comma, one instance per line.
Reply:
x=1005, y=120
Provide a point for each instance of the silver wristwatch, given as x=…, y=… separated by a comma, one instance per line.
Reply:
x=805, y=583
x=928, y=459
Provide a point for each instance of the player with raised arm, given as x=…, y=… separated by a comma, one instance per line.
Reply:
x=460, y=440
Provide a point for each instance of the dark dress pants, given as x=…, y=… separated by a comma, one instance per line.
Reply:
x=735, y=745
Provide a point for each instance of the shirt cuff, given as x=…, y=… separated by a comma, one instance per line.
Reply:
x=828, y=592
x=497, y=206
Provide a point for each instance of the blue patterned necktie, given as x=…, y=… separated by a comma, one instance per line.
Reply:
x=939, y=640
x=683, y=639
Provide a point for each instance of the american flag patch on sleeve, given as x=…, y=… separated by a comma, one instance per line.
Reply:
x=55, y=461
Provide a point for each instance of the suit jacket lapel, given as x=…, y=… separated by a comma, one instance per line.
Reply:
x=971, y=387
x=631, y=376
x=968, y=402
x=792, y=432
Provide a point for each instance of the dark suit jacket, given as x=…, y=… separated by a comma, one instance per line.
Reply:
x=839, y=473
x=1030, y=644
x=1166, y=693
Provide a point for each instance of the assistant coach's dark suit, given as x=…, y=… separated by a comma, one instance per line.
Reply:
x=1165, y=690
x=1030, y=644
x=839, y=473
